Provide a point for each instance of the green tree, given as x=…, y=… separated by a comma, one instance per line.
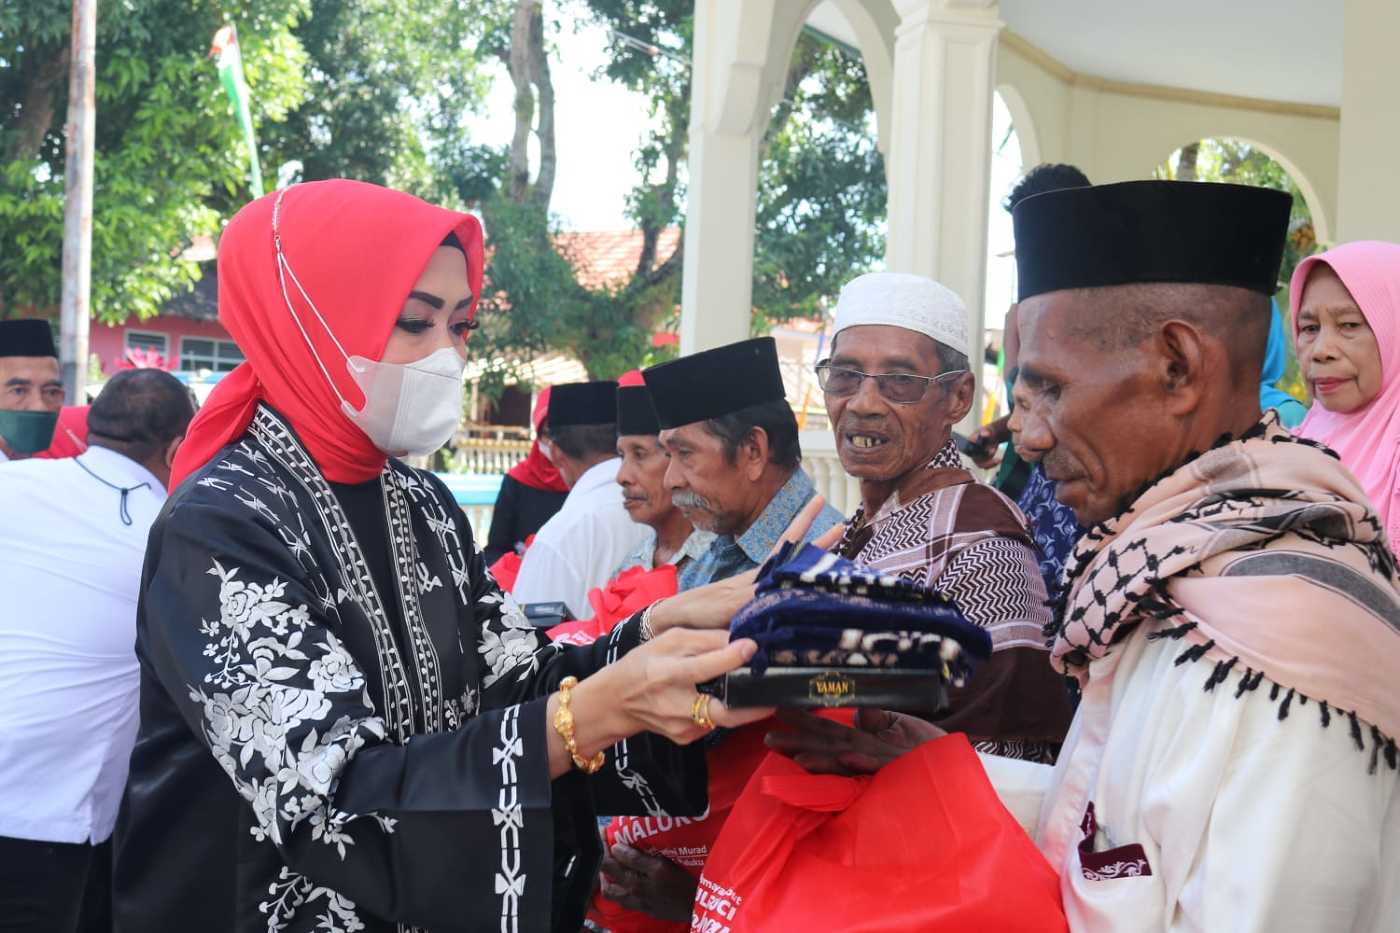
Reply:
x=389, y=84
x=165, y=149
x=821, y=192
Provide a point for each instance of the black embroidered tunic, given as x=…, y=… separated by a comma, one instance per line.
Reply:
x=317, y=754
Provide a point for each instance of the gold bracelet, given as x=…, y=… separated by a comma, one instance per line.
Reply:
x=564, y=725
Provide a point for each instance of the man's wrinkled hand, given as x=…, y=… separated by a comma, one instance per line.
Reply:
x=826, y=747
x=989, y=439
x=647, y=883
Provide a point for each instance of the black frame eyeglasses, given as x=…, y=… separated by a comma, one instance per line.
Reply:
x=900, y=388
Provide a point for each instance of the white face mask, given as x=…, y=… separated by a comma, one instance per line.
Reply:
x=410, y=408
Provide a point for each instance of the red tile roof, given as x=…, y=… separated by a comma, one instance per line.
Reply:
x=608, y=258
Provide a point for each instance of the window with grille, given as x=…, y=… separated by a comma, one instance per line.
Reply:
x=147, y=341
x=218, y=356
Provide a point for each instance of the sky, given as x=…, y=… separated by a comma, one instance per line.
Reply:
x=598, y=125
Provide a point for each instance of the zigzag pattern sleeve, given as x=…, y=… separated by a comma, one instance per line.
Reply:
x=997, y=583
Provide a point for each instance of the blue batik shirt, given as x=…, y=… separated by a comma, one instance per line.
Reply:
x=1052, y=526
x=729, y=555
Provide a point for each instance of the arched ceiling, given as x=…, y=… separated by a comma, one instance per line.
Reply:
x=1285, y=50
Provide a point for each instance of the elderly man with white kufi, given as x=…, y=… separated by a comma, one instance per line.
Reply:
x=897, y=381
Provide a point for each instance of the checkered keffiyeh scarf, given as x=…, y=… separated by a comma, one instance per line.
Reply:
x=1263, y=556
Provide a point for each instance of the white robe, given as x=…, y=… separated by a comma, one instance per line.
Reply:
x=581, y=545
x=1246, y=822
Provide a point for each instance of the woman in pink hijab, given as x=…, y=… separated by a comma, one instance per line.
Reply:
x=1346, y=326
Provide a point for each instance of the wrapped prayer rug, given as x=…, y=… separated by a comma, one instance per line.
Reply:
x=831, y=633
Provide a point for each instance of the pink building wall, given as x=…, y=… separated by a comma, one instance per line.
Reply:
x=109, y=342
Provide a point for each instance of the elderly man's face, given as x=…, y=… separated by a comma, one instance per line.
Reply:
x=30, y=383
x=642, y=477
x=881, y=440
x=715, y=495
x=1094, y=418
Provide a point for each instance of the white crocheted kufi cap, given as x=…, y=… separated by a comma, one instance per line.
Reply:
x=899, y=299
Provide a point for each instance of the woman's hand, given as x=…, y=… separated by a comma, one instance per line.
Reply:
x=714, y=605
x=825, y=747
x=652, y=689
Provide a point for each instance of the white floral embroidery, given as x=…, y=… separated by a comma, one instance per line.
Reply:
x=290, y=891
x=508, y=648
x=267, y=705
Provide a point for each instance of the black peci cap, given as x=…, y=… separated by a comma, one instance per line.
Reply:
x=29, y=337
x=715, y=382
x=582, y=403
x=1148, y=232
x=635, y=412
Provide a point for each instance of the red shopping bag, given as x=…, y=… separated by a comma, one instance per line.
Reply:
x=688, y=842
x=625, y=595
x=923, y=845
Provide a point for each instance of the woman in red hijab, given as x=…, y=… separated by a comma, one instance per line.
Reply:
x=344, y=725
x=530, y=494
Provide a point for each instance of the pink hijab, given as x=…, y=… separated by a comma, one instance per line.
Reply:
x=1367, y=440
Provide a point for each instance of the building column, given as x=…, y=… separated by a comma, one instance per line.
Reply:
x=1368, y=202
x=940, y=148
x=725, y=131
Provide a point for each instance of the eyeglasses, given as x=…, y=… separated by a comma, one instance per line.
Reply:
x=901, y=388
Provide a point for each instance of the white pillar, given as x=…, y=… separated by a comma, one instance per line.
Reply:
x=717, y=277
x=1368, y=198
x=940, y=148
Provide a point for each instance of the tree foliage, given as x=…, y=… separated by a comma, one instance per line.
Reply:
x=384, y=91
x=166, y=146
x=820, y=202
x=389, y=83
x=378, y=90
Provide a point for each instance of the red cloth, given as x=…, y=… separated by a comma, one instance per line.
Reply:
x=923, y=845
x=70, y=436
x=632, y=377
x=625, y=595
x=507, y=567
x=357, y=250
x=535, y=470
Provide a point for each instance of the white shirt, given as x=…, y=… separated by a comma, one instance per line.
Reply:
x=1246, y=822
x=70, y=571
x=578, y=548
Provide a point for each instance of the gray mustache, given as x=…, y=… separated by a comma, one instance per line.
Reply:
x=689, y=500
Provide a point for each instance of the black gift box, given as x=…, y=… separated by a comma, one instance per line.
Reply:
x=910, y=691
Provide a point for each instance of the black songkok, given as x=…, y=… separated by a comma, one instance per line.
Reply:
x=635, y=413
x=1148, y=232
x=715, y=382
x=26, y=338
x=582, y=403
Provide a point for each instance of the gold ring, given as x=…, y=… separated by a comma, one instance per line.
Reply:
x=700, y=711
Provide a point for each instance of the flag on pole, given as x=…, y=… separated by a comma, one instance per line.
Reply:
x=231, y=74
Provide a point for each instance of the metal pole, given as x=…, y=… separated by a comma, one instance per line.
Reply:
x=77, y=207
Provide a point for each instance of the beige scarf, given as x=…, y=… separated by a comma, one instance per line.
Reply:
x=1265, y=558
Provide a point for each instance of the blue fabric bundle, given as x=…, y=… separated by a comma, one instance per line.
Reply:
x=814, y=609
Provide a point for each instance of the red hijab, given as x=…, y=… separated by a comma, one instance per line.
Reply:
x=357, y=250
x=535, y=470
